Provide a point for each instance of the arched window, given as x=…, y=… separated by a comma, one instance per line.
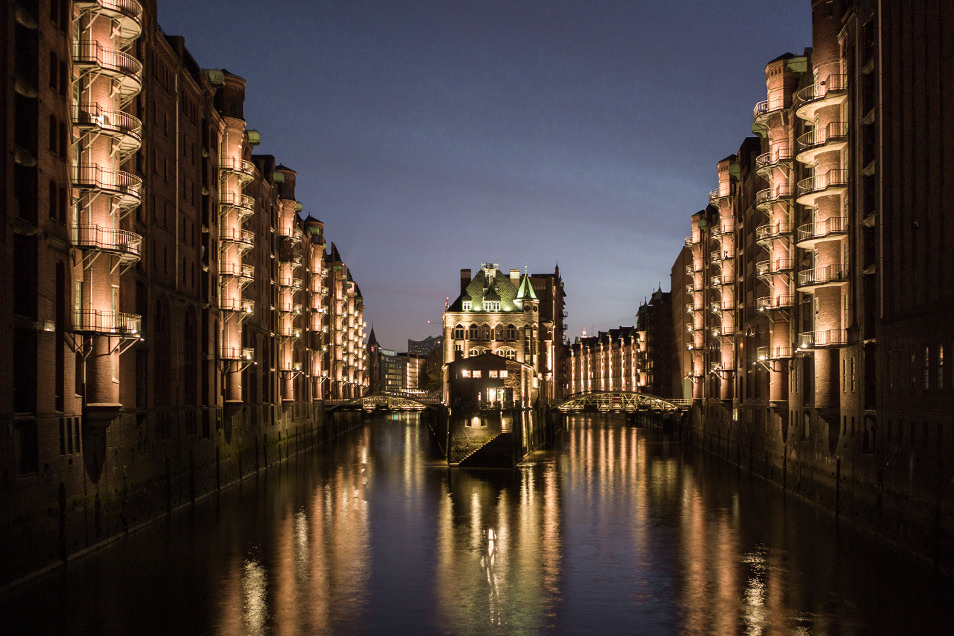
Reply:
x=459, y=332
x=474, y=352
x=511, y=354
x=473, y=332
x=485, y=332
x=499, y=333
x=511, y=332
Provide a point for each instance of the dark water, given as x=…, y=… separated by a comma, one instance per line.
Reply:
x=615, y=531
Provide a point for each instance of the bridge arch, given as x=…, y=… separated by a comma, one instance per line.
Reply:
x=623, y=401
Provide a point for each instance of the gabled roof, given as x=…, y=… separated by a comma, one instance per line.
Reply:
x=525, y=292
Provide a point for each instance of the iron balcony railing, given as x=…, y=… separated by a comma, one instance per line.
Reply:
x=769, y=196
x=834, y=83
x=236, y=165
x=237, y=353
x=242, y=202
x=91, y=52
x=722, y=279
x=244, y=238
x=822, y=275
x=123, y=242
x=120, y=182
x=770, y=231
x=778, y=352
x=774, y=266
x=823, y=338
x=106, y=322
x=834, y=131
x=241, y=305
x=820, y=229
x=719, y=193
x=290, y=308
x=771, y=159
x=717, y=256
x=111, y=121
x=768, y=303
x=767, y=106
x=287, y=281
x=820, y=183
x=239, y=270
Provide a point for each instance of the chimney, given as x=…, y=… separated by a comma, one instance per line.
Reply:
x=464, y=279
x=515, y=277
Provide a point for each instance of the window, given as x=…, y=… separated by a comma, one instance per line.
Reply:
x=499, y=333
x=927, y=368
x=503, y=373
x=511, y=332
x=492, y=305
x=473, y=332
x=459, y=332
x=492, y=373
x=475, y=373
x=485, y=332
x=475, y=352
x=466, y=305
x=511, y=354
x=940, y=366
x=465, y=373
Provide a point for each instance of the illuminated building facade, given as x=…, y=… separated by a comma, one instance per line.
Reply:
x=817, y=310
x=169, y=317
x=607, y=361
x=517, y=317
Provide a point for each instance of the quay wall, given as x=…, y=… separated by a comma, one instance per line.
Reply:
x=902, y=493
x=144, y=466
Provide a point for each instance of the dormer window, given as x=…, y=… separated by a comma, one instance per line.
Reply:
x=466, y=305
x=492, y=305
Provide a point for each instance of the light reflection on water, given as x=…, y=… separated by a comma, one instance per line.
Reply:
x=614, y=530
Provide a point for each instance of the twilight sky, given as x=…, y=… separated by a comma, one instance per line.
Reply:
x=431, y=136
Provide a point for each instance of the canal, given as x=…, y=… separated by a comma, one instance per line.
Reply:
x=615, y=530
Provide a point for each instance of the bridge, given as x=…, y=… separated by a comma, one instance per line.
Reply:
x=621, y=401
x=385, y=401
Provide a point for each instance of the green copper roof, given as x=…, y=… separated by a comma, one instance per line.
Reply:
x=526, y=289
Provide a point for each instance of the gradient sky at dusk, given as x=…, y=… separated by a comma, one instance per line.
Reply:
x=433, y=136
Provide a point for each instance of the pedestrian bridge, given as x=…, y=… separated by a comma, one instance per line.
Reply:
x=389, y=401
x=620, y=401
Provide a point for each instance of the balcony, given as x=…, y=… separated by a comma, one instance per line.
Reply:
x=126, y=13
x=245, y=239
x=111, y=323
x=834, y=136
x=774, y=267
x=288, y=331
x=781, y=193
x=244, y=169
x=288, y=281
x=770, y=231
x=290, y=308
x=767, y=162
x=811, y=279
x=766, y=108
x=775, y=303
x=724, y=305
x=774, y=353
x=690, y=241
x=124, y=186
x=123, y=243
x=90, y=55
x=717, y=256
x=238, y=353
x=832, y=183
x=822, y=339
x=125, y=129
x=689, y=270
x=244, y=272
x=722, y=280
x=244, y=204
x=717, y=194
x=831, y=228
x=831, y=91
x=690, y=308
x=238, y=305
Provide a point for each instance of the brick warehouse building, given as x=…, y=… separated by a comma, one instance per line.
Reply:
x=172, y=323
x=818, y=311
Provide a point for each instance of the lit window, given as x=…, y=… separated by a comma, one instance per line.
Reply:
x=492, y=373
x=464, y=373
x=511, y=354
x=476, y=373
x=940, y=366
x=503, y=373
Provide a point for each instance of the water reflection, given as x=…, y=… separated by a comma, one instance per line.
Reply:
x=615, y=530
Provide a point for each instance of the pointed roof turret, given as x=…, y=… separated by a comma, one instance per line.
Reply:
x=525, y=292
x=372, y=340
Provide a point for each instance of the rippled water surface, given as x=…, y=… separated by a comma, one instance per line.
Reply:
x=616, y=530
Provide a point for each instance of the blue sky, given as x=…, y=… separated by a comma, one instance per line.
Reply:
x=433, y=136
